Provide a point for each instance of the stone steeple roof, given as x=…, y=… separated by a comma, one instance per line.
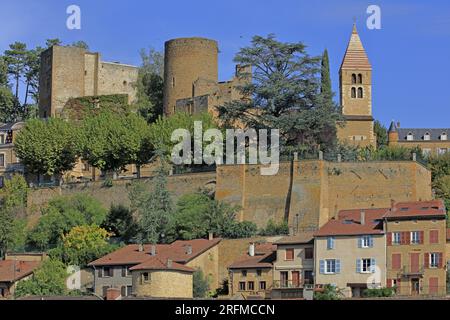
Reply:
x=393, y=127
x=355, y=55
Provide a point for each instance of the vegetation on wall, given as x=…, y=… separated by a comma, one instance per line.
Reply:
x=78, y=109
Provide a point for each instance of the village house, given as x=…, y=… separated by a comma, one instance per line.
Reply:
x=350, y=251
x=9, y=163
x=251, y=275
x=17, y=267
x=416, y=247
x=294, y=265
x=148, y=270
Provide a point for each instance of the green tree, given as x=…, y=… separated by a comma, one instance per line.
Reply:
x=274, y=229
x=62, y=214
x=53, y=42
x=150, y=85
x=3, y=73
x=80, y=44
x=16, y=58
x=14, y=192
x=49, y=279
x=325, y=85
x=47, y=147
x=83, y=244
x=200, y=284
x=9, y=106
x=285, y=94
x=329, y=292
x=110, y=141
x=380, y=134
x=120, y=223
x=154, y=208
x=32, y=70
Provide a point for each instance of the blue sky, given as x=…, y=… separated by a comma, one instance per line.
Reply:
x=410, y=54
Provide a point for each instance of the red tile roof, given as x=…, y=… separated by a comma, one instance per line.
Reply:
x=176, y=251
x=304, y=237
x=348, y=222
x=264, y=256
x=11, y=270
x=433, y=208
x=160, y=263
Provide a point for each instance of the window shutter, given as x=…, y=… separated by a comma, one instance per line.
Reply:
x=321, y=266
x=426, y=259
x=372, y=265
x=440, y=260
x=389, y=238
x=100, y=272
x=338, y=266
x=402, y=238
x=421, y=237
x=407, y=237
x=358, y=265
x=360, y=240
x=123, y=291
x=371, y=241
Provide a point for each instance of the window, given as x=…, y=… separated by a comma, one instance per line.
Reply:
x=241, y=286
x=244, y=273
x=330, y=243
x=2, y=160
x=353, y=94
x=289, y=255
x=107, y=272
x=145, y=277
x=251, y=285
x=396, y=238
x=105, y=289
x=434, y=236
x=365, y=242
x=129, y=291
x=353, y=78
x=415, y=237
x=284, y=279
x=125, y=271
x=360, y=78
x=365, y=265
x=360, y=93
x=123, y=291
x=173, y=82
x=2, y=139
x=258, y=272
x=309, y=253
x=442, y=150
x=444, y=136
x=262, y=285
x=434, y=260
x=410, y=136
x=330, y=266
x=427, y=136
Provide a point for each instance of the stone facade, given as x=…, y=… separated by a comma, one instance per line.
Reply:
x=9, y=163
x=70, y=72
x=163, y=283
x=191, y=77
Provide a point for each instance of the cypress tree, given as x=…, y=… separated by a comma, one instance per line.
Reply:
x=325, y=88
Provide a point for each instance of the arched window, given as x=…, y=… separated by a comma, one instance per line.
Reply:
x=353, y=92
x=360, y=78
x=427, y=136
x=410, y=136
x=444, y=136
x=360, y=93
x=353, y=78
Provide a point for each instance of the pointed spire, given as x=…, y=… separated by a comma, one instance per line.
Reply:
x=355, y=55
x=392, y=127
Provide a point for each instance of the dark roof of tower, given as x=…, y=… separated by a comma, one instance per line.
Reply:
x=392, y=127
x=355, y=56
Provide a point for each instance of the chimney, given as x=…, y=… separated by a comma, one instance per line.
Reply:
x=210, y=236
x=188, y=249
x=251, y=249
x=153, y=250
x=392, y=204
x=363, y=217
x=141, y=247
x=169, y=263
x=113, y=294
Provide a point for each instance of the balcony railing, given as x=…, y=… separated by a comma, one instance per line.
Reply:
x=289, y=284
x=412, y=270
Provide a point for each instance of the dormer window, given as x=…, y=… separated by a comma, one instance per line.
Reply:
x=410, y=136
x=444, y=136
x=427, y=136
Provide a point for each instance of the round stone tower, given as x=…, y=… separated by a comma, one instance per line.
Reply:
x=185, y=61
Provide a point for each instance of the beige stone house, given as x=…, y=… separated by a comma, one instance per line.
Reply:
x=149, y=270
x=9, y=163
x=350, y=252
x=294, y=265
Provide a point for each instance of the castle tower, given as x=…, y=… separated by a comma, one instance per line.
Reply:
x=355, y=78
x=392, y=134
x=190, y=69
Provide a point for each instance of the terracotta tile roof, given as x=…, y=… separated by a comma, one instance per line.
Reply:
x=176, y=251
x=304, y=237
x=264, y=256
x=22, y=269
x=355, y=56
x=160, y=263
x=433, y=208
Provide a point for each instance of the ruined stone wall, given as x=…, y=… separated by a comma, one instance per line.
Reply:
x=116, y=78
